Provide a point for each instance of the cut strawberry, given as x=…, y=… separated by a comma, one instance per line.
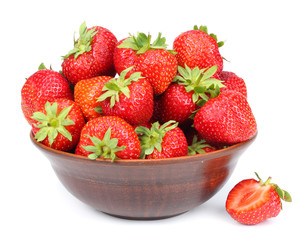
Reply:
x=251, y=201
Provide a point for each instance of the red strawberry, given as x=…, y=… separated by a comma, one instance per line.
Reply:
x=123, y=58
x=108, y=137
x=226, y=119
x=86, y=93
x=233, y=82
x=129, y=98
x=165, y=141
x=196, y=48
x=157, y=65
x=92, y=55
x=44, y=85
x=58, y=124
x=182, y=98
x=251, y=201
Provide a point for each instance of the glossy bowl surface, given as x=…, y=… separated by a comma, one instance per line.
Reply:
x=144, y=189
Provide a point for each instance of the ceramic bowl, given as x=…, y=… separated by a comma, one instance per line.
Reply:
x=144, y=189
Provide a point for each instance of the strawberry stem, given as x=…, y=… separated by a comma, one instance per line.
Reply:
x=105, y=148
x=52, y=123
x=284, y=195
x=83, y=44
x=152, y=138
x=115, y=86
x=141, y=43
x=205, y=29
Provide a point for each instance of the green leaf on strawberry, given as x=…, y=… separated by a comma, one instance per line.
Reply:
x=205, y=29
x=83, y=44
x=119, y=85
x=141, y=43
x=200, y=81
x=199, y=146
x=105, y=148
x=52, y=123
x=284, y=195
x=152, y=138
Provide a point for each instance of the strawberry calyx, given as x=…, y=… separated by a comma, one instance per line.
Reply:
x=115, y=86
x=205, y=29
x=105, y=148
x=200, y=81
x=83, y=44
x=151, y=138
x=284, y=195
x=142, y=43
x=197, y=147
x=52, y=123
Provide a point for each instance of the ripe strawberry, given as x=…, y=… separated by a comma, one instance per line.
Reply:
x=251, y=201
x=86, y=93
x=58, y=124
x=196, y=48
x=233, y=82
x=226, y=119
x=92, y=55
x=44, y=85
x=129, y=98
x=165, y=141
x=182, y=98
x=157, y=65
x=123, y=58
x=108, y=137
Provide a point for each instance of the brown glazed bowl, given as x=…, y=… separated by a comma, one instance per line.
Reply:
x=145, y=189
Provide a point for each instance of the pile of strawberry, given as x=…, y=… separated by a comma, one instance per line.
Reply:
x=133, y=98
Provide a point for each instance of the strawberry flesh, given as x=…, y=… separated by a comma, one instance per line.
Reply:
x=250, y=202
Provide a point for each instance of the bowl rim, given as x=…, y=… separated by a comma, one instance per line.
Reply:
x=208, y=155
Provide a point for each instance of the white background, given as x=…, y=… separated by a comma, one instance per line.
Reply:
x=265, y=46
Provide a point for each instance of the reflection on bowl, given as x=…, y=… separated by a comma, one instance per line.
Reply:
x=144, y=189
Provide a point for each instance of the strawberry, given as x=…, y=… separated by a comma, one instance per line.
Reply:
x=188, y=92
x=129, y=98
x=226, y=119
x=196, y=143
x=86, y=93
x=58, y=124
x=165, y=141
x=197, y=48
x=108, y=137
x=44, y=85
x=158, y=65
x=233, y=82
x=92, y=55
x=123, y=58
x=251, y=201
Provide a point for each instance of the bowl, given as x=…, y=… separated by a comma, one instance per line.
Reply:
x=142, y=189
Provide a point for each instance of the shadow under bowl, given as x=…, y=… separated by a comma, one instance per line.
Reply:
x=142, y=189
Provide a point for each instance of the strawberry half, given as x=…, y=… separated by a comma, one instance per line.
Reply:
x=251, y=201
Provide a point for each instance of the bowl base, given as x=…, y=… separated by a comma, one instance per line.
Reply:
x=144, y=218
